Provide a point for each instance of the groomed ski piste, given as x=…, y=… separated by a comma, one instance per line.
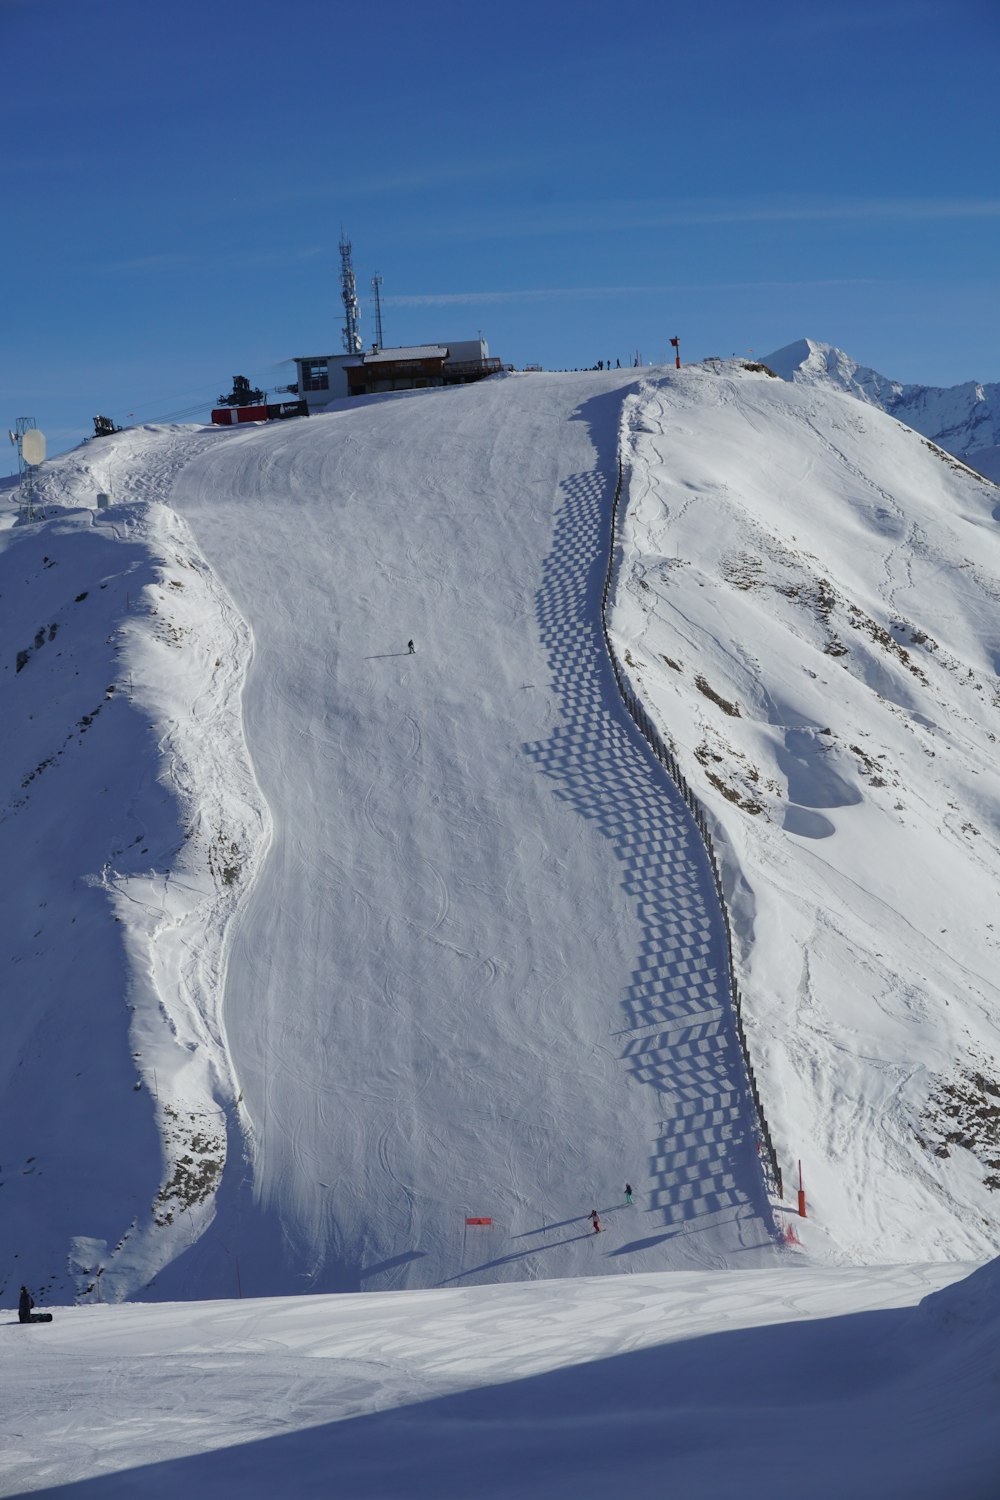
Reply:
x=323, y=947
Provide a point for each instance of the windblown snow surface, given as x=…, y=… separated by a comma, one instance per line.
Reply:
x=722, y=1384
x=319, y=948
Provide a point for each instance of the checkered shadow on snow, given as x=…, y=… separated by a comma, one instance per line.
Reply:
x=678, y=1032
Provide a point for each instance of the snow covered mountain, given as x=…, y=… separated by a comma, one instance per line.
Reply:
x=808, y=602
x=320, y=949
x=962, y=419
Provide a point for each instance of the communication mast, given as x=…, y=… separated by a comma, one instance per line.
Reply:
x=376, y=284
x=30, y=444
x=349, y=292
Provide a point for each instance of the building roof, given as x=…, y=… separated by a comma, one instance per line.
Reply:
x=397, y=356
x=323, y=359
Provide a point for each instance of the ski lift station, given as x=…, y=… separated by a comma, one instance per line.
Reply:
x=322, y=378
x=328, y=377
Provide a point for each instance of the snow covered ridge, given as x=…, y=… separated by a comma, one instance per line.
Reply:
x=130, y=824
x=481, y=972
x=809, y=604
x=962, y=419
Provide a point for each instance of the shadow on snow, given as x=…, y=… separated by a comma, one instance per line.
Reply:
x=847, y=1397
x=678, y=1034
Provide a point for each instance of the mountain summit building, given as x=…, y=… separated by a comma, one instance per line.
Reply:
x=327, y=377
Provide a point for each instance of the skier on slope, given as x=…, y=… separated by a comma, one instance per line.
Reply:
x=595, y=1221
x=628, y=1192
x=24, y=1305
x=412, y=647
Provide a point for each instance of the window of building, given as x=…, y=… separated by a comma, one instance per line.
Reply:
x=315, y=375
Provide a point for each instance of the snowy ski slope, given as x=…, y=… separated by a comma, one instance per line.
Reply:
x=483, y=971
x=319, y=948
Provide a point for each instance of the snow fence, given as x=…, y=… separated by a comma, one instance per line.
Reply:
x=642, y=721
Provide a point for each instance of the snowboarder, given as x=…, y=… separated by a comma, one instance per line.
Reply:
x=24, y=1305
x=628, y=1192
x=595, y=1220
x=412, y=647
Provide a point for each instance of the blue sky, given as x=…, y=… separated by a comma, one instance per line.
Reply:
x=580, y=180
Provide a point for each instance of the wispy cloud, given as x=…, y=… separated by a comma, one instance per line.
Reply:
x=610, y=216
x=530, y=294
x=478, y=169
x=184, y=260
x=143, y=264
x=639, y=215
x=832, y=209
x=417, y=179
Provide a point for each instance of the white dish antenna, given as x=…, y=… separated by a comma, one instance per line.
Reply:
x=33, y=446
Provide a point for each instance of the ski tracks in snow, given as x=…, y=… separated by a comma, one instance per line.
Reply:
x=474, y=993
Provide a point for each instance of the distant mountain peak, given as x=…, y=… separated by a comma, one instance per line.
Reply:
x=808, y=362
x=785, y=362
x=962, y=419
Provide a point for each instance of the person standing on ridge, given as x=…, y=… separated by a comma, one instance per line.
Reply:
x=628, y=1192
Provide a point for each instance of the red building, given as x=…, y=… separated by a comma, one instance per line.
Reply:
x=225, y=416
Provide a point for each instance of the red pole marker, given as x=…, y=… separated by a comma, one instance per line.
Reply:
x=802, y=1195
x=676, y=344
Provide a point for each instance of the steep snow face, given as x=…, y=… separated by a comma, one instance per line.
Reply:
x=963, y=419
x=809, y=601
x=129, y=824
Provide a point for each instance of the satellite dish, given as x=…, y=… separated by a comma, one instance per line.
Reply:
x=33, y=446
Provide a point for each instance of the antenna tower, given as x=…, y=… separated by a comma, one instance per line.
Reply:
x=349, y=292
x=376, y=284
x=30, y=444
